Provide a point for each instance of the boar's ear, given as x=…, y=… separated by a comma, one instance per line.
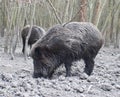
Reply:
x=38, y=52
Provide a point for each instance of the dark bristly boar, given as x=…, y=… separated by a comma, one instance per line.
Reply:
x=74, y=41
x=36, y=33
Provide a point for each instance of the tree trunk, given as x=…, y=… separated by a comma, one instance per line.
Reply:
x=65, y=15
x=112, y=21
x=96, y=12
x=29, y=33
x=4, y=16
x=117, y=34
x=83, y=11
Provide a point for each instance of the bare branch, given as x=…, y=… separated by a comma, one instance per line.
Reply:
x=55, y=12
x=75, y=14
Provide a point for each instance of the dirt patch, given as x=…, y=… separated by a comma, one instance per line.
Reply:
x=16, y=78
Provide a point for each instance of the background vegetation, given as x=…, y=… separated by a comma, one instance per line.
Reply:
x=14, y=14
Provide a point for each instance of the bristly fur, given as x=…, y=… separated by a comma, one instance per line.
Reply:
x=66, y=44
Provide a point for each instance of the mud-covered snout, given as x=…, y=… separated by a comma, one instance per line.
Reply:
x=37, y=75
x=40, y=69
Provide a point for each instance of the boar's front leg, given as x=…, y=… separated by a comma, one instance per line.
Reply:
x=89, y=65
x=68, y=68
x=23, y=49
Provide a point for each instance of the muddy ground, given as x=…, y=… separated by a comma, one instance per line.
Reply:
x=16, y=77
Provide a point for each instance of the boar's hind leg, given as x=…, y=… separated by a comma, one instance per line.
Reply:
x=68, y=68
x=23, y=49
x=89, y=65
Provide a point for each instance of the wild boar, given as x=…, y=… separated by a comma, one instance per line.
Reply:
x=64, y=45
x=36, y=33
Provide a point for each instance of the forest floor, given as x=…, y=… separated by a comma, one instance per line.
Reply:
x=16, y=77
